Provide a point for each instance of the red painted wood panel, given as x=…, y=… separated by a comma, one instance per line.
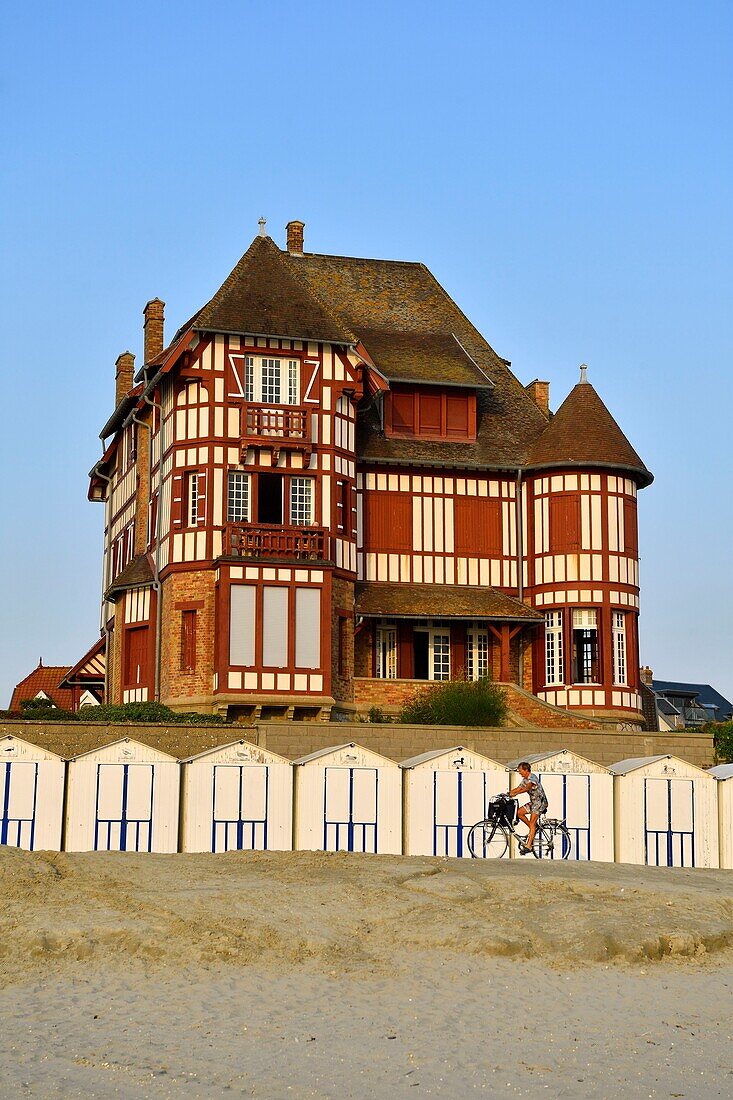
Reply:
x=388, y=521
x=478, y=527
x=564, y=524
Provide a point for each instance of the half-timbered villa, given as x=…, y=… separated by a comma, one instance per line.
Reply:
x=328, y=488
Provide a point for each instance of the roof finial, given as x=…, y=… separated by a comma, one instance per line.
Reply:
x=584, y=373
x=262, y=223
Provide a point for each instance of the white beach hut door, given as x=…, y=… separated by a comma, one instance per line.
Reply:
x=350, y=810
x=568, y=797
x=240, y=807
x=669, y=817
x=459, y=801
x=124, y=814
x=18, y=786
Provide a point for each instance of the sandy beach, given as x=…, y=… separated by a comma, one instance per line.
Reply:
x=310, y=974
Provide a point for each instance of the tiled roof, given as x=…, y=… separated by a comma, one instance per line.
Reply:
x=263, y=295
x=417, y=356
x=45, y=678
x=137, y=574
x=387, y=302
x=439, y=601
x=583, y=433
x=707, y=695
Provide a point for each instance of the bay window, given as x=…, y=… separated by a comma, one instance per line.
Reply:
x=271, y=381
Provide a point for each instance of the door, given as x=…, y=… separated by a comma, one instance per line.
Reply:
x=350, y=810
x=269, y=498
x=568, y=797
x=136, y=659
x=669, y=822
x=124, y=813
x=18, y=788
x=240, y=807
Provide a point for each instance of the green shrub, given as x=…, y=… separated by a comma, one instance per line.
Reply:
x=43, y=710
x=457, y=703
x=377, y=716
x=193, y=718
x=117, y=714
x=723, y=740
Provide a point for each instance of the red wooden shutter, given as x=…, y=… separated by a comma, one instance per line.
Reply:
x=565, y=524
x=188, y=640
x=631, y=534
x=136, y=656
x=430, y=413
x=456, y=416
x=478, y=527
x=388, y=521
x=177, y=501
x=403, y=413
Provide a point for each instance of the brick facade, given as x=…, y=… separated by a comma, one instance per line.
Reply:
x=183, y=689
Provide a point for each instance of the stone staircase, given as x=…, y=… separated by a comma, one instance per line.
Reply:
x=527, y=711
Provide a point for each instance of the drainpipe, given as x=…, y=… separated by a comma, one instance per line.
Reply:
x=105, y=566
x=156, y=554
x=520, y=566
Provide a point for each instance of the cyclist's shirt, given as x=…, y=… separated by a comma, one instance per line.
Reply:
x=537, y=797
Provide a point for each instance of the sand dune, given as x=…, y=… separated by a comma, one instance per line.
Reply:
x=312, y=974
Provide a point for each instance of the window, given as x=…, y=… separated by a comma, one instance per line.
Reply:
x=343, y=506
x=270, y=381
x=477, y=654
x=293, y=383
x=188, y=641
x=618, y=626
x=301, y=501
x=585, y=647
x=249, y=378
x=478, y=527
x=238, y=497
x=386, y=655
x=388, y=521
x=431, y=411
x=195, y=503
x=553, y=648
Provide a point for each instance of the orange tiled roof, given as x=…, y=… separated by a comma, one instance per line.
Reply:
x=45, y=678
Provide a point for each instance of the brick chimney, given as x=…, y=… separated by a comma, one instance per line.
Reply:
x=646, y=675
x=295, y=238
x=124, y=371
x=153, y=328
x=540, y=394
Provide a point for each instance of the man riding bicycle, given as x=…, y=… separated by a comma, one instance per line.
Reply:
x=530, y=811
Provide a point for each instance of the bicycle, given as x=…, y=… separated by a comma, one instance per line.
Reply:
x=489, y=839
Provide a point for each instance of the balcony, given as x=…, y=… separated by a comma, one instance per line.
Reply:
x=277, y=426
x=272, y=540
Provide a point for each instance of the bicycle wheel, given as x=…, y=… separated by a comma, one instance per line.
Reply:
x=563, y=843
x=487, y=840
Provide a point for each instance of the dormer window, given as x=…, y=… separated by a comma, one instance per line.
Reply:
x=431, y=412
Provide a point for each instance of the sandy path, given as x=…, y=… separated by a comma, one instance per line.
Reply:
x=312, y=975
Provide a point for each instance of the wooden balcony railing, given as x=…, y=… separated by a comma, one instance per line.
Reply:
x=269, y=540
x=281, y=425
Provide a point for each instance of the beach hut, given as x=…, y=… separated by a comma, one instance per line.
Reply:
x=237, y=797
x=122, y=797
x=724, y=776
x=580, y=791
x=666, y=813
x=445, y=792
x=31, y=796
x=348, y=799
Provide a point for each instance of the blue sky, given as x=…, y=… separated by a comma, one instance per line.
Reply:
x=564, y=169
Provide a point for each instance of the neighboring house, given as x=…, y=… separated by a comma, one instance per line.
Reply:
x=43, y=683
x=328, y=488
x=679, y=705
x=66, y=688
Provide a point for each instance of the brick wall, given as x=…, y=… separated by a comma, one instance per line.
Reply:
x=342, y=686
x=398, y=742
x=179, y=688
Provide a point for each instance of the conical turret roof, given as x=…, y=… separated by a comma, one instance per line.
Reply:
x=583, y=433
